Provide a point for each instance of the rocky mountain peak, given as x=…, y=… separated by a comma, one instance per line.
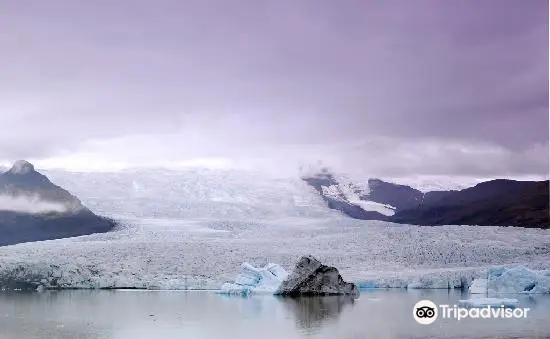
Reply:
x=22, y=167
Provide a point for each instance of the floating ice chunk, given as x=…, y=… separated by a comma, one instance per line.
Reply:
x=488, y=302
x=256, y=280
x=517, y=280
x=479, y=286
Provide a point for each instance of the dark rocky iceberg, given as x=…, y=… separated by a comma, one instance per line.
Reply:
x=310, y=277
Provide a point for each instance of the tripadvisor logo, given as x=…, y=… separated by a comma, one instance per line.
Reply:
x=426, y=312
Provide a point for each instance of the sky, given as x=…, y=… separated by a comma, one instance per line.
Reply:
x=379, y=87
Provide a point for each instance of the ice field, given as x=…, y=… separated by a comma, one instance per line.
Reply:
x=193, y=229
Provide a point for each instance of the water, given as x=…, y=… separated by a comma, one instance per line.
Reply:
x=170, y=314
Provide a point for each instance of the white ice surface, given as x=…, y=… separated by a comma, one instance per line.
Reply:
x=192, y=230
x=491, y=302
x=266, y=279
x=517, y=280
x=375, y=207
x=478, y=286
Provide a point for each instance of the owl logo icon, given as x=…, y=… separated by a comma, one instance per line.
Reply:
x=425, y=312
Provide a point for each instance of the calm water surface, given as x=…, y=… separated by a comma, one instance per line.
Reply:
x=378, y=314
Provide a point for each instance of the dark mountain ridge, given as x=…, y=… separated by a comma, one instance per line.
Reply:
x=32, y=208
x=500, y=202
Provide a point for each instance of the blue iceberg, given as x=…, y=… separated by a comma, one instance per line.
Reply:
x=263, y=280
x=502, y=280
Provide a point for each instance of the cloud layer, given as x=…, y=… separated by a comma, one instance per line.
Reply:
x=29, y=204
x=391, y=86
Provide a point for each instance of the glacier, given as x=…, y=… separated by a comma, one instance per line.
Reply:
x=191, y=229
x=512, y=280
x=478, y=286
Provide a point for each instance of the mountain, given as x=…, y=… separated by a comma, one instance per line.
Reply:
x=496, y=202
x=400, y=196
x=348, y=198
x=32, y=208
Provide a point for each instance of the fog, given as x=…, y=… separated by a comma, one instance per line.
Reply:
x=32, y=204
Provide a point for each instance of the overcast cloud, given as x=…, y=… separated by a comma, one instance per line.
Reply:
x=381, y=87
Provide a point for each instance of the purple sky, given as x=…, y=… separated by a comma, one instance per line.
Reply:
x=382, y=87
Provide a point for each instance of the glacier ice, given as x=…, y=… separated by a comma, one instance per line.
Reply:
x=478, y=286
x=518, y=280
x=189, y=230
x=202, y=254
x=488, y=302
x=512, y=280
x=449, y=278
x=266, y=279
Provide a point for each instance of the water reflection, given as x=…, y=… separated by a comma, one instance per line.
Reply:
x=163, y=314
x=36, y=315
x=311, y=313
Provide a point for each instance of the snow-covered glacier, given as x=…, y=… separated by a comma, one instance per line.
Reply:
x=193, y=229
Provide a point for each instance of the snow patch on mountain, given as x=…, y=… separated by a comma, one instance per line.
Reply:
x=21, y=167
x=356, y=195
x=340, y=188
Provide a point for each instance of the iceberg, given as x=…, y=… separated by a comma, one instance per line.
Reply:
x=311, y=277
x=488, y=302
x=478, y=286
x=264, y=280
x=520, y=279
x=517, y=280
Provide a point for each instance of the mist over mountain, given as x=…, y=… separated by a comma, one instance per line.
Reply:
x=32, y=208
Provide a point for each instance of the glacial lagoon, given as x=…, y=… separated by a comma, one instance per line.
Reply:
x=124, y=314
